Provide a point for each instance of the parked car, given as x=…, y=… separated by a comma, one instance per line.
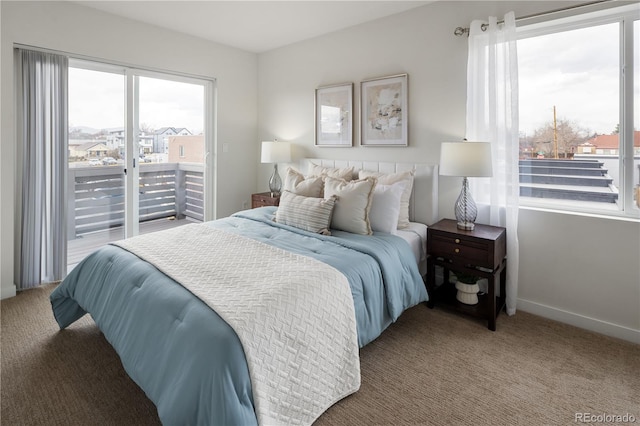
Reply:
x=95, y=162
x=145, y=159
x=109, y=161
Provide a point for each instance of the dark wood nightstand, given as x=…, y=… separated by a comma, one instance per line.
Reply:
x=264, y=199
x=481, y=252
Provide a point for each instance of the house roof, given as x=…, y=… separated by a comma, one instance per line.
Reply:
x=612, y=141
x=87, y=146
x=176, y=130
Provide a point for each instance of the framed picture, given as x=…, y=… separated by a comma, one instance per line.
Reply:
x=334, y=115
x=384, y=111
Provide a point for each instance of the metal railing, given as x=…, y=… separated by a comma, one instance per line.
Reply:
x=96, y=195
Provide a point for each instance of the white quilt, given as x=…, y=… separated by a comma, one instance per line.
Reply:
x=293, y=314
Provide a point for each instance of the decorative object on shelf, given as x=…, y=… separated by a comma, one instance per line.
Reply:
x=334, y=115
x=468, y=288
x=466, y=159
x=384, y=110
x=275, y=152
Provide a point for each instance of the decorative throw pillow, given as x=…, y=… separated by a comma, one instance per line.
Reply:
x=308, y=213
x=345, y=173
x=295, y=182
x=385, y=207
x=390, y=179
x=353, y=203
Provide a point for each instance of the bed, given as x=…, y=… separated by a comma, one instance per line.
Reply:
x=246, y=320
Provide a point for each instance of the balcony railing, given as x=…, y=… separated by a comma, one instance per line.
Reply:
x=96, y=198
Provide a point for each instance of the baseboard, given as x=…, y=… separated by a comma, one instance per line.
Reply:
x=580, y=321
x=7, y=291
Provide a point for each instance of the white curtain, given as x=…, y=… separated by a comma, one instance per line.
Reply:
x=43, y=98
x=492, y=116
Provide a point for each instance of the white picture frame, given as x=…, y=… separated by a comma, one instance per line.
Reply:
x=334, y=116
x=384, y=111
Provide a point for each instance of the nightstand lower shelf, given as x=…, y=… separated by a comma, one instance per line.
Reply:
x=489, y=304
x=445, y=295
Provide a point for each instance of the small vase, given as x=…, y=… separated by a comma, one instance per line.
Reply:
x=467, y=293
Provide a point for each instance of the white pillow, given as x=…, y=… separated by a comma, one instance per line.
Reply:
x=353, y=203
x=308, y=213
x=295, y=182
x=390, y=179
x=385, y=207
x=345, y=173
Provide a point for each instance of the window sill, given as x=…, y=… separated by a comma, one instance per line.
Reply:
x=579, y=209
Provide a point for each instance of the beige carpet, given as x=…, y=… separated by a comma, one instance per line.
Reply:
x=431, y=367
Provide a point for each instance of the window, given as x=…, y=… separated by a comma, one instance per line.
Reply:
x=579, y=145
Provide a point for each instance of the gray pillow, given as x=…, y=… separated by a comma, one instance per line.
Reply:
x=308, y=213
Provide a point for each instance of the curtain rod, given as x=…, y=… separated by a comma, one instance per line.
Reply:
x=459, y=31
x=81, y=57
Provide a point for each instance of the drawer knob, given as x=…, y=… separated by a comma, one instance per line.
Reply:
x=457, y=250
x=457, y=240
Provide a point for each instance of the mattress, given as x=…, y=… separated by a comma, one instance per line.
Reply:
x=416, y=236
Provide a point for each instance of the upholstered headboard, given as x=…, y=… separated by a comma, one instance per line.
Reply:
x=423, y=206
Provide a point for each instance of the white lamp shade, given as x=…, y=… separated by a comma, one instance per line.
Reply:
x=466, y=159
x=276, y=152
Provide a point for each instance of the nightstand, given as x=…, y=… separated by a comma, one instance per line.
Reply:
x=264, y=199
x=481, y=252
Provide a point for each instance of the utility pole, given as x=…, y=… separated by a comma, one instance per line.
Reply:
x=555, y=133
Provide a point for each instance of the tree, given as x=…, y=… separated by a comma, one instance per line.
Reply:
x=113, y=153
x=616, y=131
x=146, y=129
x=569, y=136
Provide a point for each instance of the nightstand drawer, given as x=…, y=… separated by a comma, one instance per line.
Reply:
x=466, y=247
x=467, y=252
x=264, y=199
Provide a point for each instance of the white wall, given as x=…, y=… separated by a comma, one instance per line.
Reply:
x=576, y=269
x=69, y=27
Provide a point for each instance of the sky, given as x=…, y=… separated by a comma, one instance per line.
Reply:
x=96, y=100
x=575, y=71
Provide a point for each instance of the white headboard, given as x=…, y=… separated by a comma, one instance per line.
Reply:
x=423, y=206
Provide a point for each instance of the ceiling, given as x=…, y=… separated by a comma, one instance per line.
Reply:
x=254, y=26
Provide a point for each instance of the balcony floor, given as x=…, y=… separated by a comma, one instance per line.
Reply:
x=86, y=244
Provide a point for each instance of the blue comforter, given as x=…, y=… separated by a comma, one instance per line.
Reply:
x=190, y=362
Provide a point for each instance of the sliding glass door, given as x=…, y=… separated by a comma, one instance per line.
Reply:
x=137, y=154
x=95, y=178
x=171, y=152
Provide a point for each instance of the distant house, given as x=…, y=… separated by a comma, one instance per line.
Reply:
x=115, y=139
x=93, y=149
x=586, y=148
x=146, y=142
x=161, y=138
x=186, y=149
x=608, y=145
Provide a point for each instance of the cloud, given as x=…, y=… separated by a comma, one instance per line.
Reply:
x=97, y=99
x=577, y=71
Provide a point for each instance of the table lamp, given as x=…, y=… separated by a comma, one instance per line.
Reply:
x=466, y=159
x=275, y=152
